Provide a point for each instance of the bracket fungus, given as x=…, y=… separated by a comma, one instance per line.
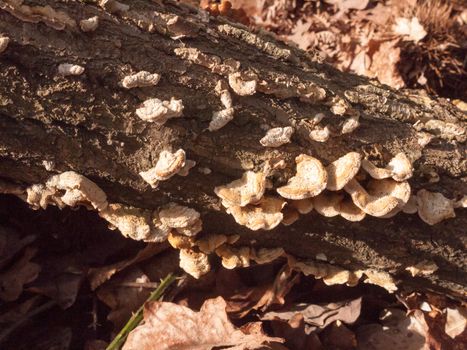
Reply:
x=309, y=181
x=350, y=124
x=433, y=207
x=372, y=205
x=68, y=188
x=264, y=215
x=210, y=243
x=266, y=255
x=113, y=6
x=136, y=223
x=140, y=79
x=234, y=257
x=194, y=263
x=248, y=189
x=70, y=69
x=155, y=110
x=342, y=170
x=243, y=84
x=320, y=134
x=399, y=168
x=4, y=41
x=388, y=187
x=350, y=212
x=277, y=137
x=328, y=203
x=167, y=166
x=89, y=24
x=184, y=220
x=220, y=119
x=291, y=215
x=303, y=206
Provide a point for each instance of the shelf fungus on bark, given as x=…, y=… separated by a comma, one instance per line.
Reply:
x=184, y=220
x=89, y=24
x=210, y=243
x=4, y=41
x=350, y=124
x=140, y=79
x=167, y=166
x=248, y=189
x=266, y=255
x=67, y=189
x=179, y=241
x=328, y=203
x=320, y=134
x=291, y=215
x=309, y=180
x=243, y=84
x=264, y=215
x=277, y=137
x=303, y=206
x=399, y=168
x=342, y=170
x=372, y=205
x=113, y=6
x=194, y=263
x=66, y=69
x=380, y=278
x=234, y=257
x=433, y=207
x=389, y=187
x=222, y=117
x=136, y=223
x=422, y=268
x=157, y=111
x=350, y=212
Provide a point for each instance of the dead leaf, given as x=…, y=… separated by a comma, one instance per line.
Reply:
x=293, y=331
x=317, y=316
x=349, y=4
x=410, y=29
x=22, y=272
x=338, y=336
x=384, y=64
x=456, y=321
x=175, y=327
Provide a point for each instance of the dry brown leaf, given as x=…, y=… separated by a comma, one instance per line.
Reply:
x=456, y=321
x=168, y=326
x=20, y=273
x=317, y=316
x=384, y=64
x=345, y=5
x=411, y=29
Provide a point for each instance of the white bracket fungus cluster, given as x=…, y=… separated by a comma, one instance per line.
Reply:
x=140, y=79
x=222, y=117
x=167, y=166
x=4, y=41
x=89, y=24
x=67, y=189
x=277, y=137
x=70, y=69
x=186, y=221
x=113, y=6
x=333, y=190
x=157, y=111
x=212, y=62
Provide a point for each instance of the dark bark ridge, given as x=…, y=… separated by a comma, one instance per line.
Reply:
x=87, y=123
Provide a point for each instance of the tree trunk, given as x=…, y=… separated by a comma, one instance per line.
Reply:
x=52, y=123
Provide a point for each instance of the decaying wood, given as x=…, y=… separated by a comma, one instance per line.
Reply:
x=87, y=122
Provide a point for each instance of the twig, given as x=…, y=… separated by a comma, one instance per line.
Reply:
x=135, y=320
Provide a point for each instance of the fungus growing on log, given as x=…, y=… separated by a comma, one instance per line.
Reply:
x=249, y=189
x=388, y=187
x=309, y=180
x=138, y=224
x=342, y=170
x=372, y=205
x=266, y=255
x=167, y=166
x=89, y=24
x=234, y=257
x=184, y=220
x=70, y=69
x=4, y=41
x=221, y=118
x=194, y=263
x=140, y=79
x=78, y=190
x=265, y=215
x=349, y=211
x=350, y=124
x=303, y=206
x=113, y=6
x=328, y=203
x=155, y=110
x=399, y=168
x=320, y=134
x=243, y=84
x=277, y=137
x=210, y=243
x=433, y=207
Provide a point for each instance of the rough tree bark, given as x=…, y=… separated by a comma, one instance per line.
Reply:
x=87, y=123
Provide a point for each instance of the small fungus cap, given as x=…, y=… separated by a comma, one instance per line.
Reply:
x=328, y=203
x=249, y=189
x=349, y=211
x=140, y=79
x=240, y=86
x=266, y=215
x=178, y=216
x=303, y=206
x=372, y=205
x=401, y=167
x=388, y=187
x=277, y=137
x=194, y=263
x=433, y=207
x=342, y=170
x=309, y=181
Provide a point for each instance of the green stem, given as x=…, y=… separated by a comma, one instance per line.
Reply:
x=135, y=320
